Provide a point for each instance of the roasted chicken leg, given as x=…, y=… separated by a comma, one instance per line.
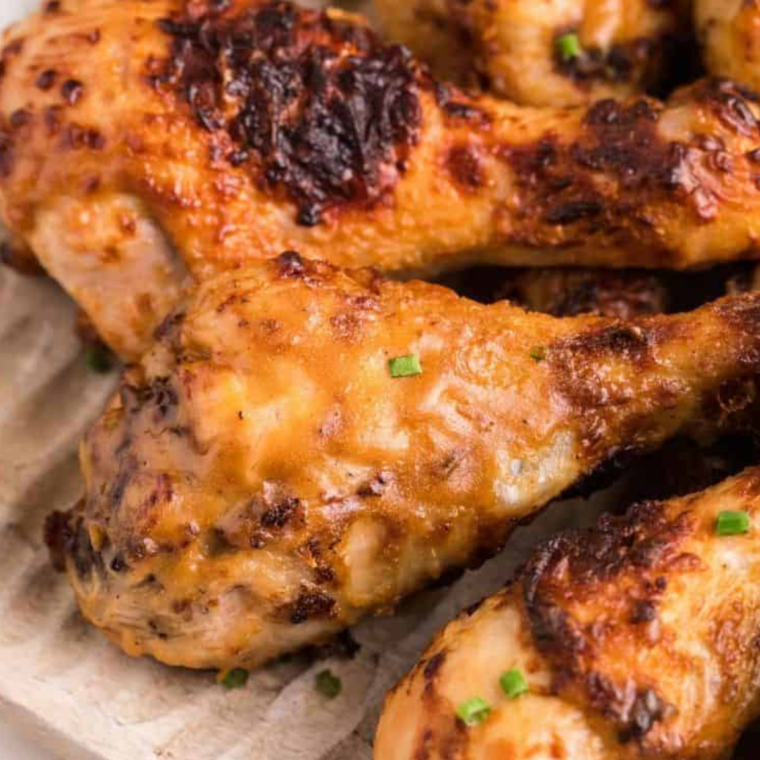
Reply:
x=637, y=639
x=146, y=145
x=547, y=53
x=303, y=446
x=543, y=52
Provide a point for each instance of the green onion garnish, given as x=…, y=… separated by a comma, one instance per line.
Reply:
x=513, y=683
x=473, y=711
x=405, y=366
x=569, y=47
x=328, y=684
x=538, y=353
x=235, y=678
x=732, y=523
x=98, y=360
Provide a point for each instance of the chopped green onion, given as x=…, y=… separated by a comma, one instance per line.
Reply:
x=405, y=366
x=234, y=679
x=569, y=47
x=98, y=359
x=732, y=523
x=328, y=684
x=538, y=353
x=474, y=711
x=513, y=683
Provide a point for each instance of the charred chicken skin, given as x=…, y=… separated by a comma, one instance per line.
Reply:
x=303, y=446
x=543, y=52
x=637, y=639
x=145, y=145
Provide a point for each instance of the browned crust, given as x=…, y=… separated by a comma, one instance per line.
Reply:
x=632, y=555
x=321, y=112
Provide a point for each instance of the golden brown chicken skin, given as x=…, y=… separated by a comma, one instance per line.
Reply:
x=638, y=639
x=262, y=479
x=543, y=52
x=729, y=33
x=144, y=145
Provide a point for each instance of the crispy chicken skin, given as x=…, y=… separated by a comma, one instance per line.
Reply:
x=261, y=480
x=511, y=48
x=638, y=640
x=144, y=145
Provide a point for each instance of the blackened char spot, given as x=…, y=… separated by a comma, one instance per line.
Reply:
x=280, y=514
x=46, y=79
x=433, y=665
x=644, y=611
x=323, y=112
x=311, y=605
x=290, y=264
x=464, y=165
x=72, y=91
x=67, y=538
x=628, y=342
x=159, y=392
